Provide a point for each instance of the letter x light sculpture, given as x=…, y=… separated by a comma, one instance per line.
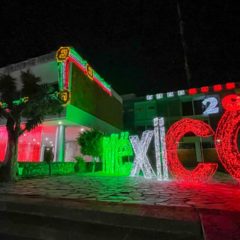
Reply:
x=141, y=162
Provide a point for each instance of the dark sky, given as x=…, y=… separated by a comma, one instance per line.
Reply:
x=134, y=45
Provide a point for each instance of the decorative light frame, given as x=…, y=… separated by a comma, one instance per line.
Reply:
x=203, y=171
x=67, y=55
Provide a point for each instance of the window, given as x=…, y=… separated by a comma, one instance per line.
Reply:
x=198, y=109
x=187, y=108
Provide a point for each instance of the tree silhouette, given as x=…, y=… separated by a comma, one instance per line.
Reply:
x=90, y=143
x=23, y=110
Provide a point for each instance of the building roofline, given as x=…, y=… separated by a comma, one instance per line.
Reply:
x=28, y=63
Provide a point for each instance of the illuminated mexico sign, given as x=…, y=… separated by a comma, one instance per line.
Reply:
x=225, y=139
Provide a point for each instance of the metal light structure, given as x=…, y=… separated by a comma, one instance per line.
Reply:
x=141, y=161
x=203, y=171
x=160, y=148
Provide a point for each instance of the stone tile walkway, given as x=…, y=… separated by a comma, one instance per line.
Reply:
x=216, y=205
x=214, y=195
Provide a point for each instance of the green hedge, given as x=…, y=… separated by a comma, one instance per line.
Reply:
x=30, y=169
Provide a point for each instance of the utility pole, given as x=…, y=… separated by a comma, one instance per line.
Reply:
x=184, y=45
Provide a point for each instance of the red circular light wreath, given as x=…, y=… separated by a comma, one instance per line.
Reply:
x=231, y=102
x=203, y=171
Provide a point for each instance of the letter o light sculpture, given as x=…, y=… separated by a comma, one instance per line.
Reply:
x=203, y=171
x=226, y=138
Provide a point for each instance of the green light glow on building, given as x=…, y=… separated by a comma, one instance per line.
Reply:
x=115, y=148
x=64, y=56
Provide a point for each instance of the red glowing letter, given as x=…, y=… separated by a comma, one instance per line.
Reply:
x=203, y=171
x=226, y=138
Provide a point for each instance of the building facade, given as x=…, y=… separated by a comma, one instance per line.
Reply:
x=198, y=103
x=90, y=103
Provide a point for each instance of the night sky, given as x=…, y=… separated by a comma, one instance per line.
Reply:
x=134, y=45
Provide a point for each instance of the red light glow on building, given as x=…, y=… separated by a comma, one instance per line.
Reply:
x=217, y=88
x=205, y=89
x=192, y=91
x=230, y=85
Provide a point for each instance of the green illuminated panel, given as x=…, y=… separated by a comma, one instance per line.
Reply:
x=115, y=148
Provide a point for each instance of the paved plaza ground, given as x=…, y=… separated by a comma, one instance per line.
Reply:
x=215, y=205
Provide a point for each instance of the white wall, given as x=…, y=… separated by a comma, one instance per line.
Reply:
x=44, y=67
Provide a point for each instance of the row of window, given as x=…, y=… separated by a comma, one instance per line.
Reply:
x=205, y=106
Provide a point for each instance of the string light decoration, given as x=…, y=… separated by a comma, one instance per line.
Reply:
x=65, y=56
x=114, y=148
x=193, y=91
x=211, y=105
x=160, y=149
x=230, y=85
x=163, y=148
x=3, y=142
x=203, y=171
x=217, y=88
x=28, y=145
x=204, y=89
x=157, y=148
x=231, y=102
x=141, y=162
x=226, y=138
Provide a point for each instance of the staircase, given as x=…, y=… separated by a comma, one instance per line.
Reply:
x=25, y=218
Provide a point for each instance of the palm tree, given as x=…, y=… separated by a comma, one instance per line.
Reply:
x=23, y=110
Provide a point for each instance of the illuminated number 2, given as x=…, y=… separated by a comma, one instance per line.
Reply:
x=210, y=104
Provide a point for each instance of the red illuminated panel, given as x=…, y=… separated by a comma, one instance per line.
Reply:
x=3, y=142
x=176, y=132
x=217, y=88
x=29, y=145
x=230, y=85
x=192, y=91
x=205, y=89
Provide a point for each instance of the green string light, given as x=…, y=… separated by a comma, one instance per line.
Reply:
x=115, y=147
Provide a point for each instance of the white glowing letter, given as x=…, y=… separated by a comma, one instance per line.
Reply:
x=160, y=148
x=141, y=161
x=159, y=96
x=157, y=148
x=149, y=97
x=163, y=148
x=211, y=104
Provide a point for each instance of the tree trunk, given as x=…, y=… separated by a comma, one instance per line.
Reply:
x=94, y=165
x=8, y=171
x=49, y=169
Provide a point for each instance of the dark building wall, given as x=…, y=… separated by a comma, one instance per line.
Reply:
x=172, y=109
x=90, y=97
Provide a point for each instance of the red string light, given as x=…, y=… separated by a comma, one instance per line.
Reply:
x=205, y=89
x=217, y=88
x=230, y=85
x=231, y=102
x=226, y=138
x=192, y=91
x=203, y=171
